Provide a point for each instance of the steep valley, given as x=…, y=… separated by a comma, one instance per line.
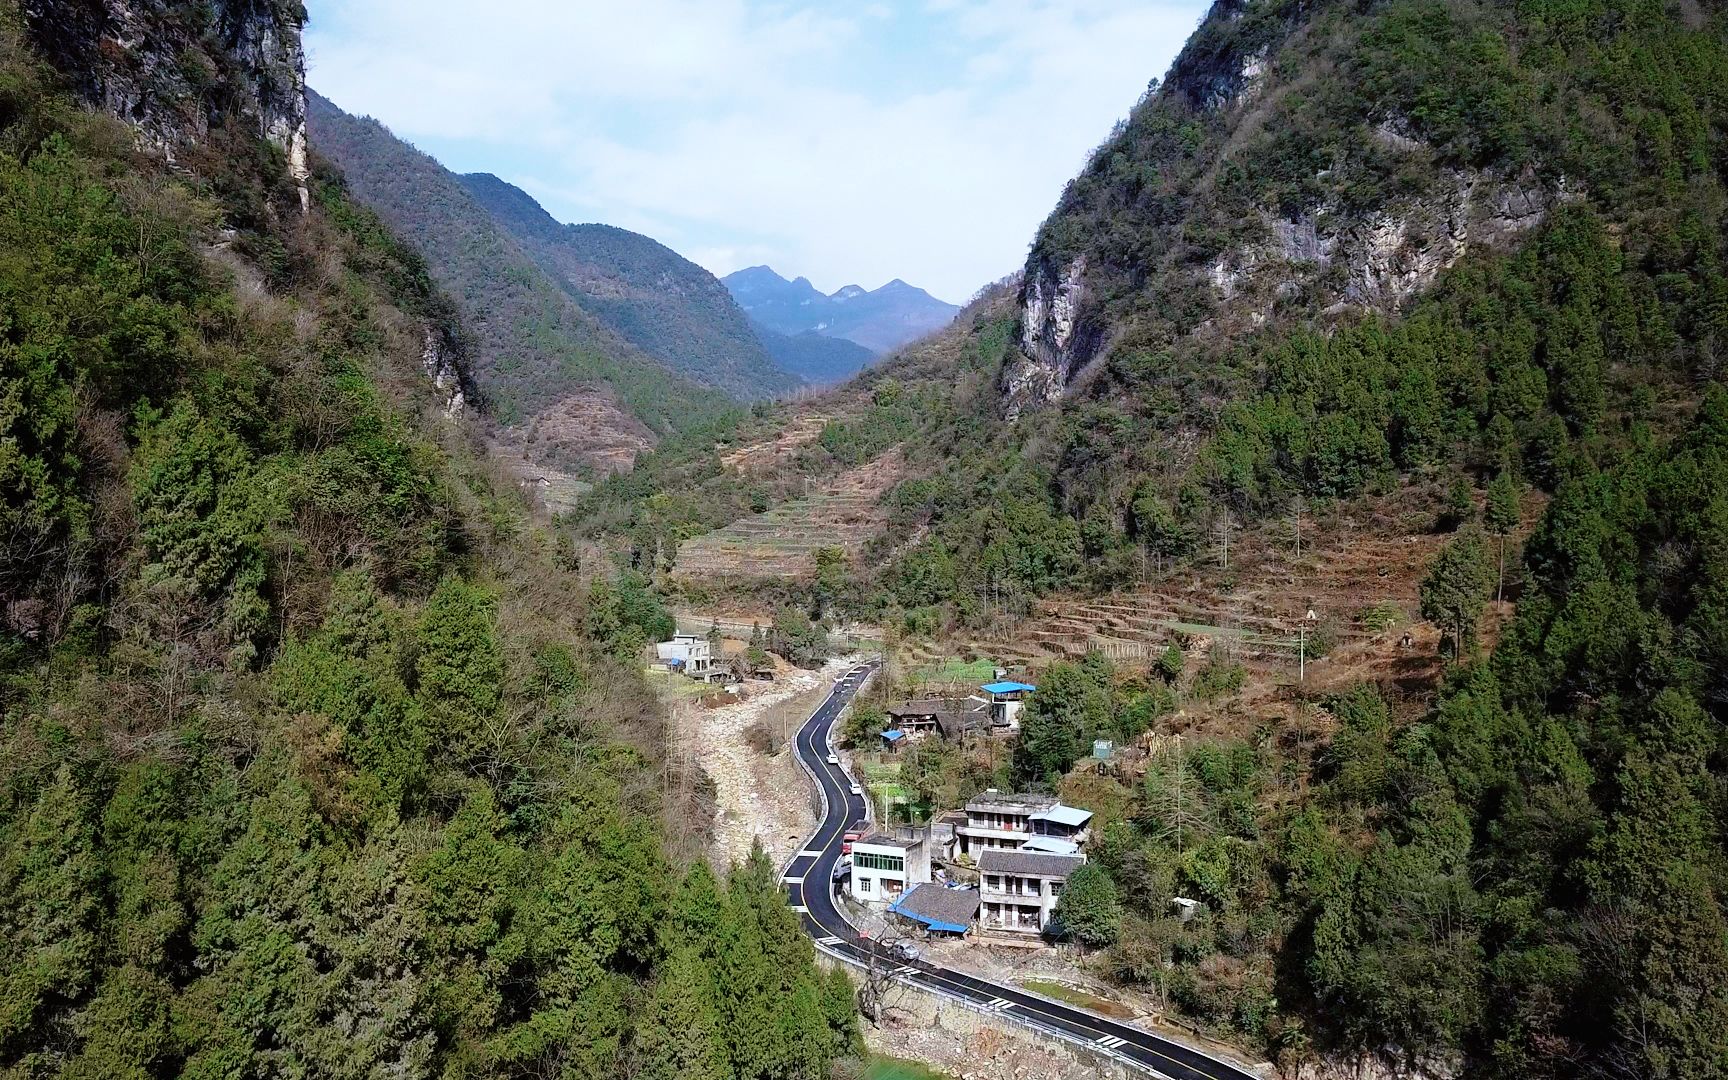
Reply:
x=1340, y=488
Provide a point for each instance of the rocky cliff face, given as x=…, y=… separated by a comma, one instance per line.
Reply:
x=177, y=72
x=1385, y=258
x=1197, y=216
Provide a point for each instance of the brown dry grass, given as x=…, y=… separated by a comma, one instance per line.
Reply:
x=783, y=542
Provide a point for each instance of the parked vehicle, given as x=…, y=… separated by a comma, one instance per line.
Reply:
x=856, y=790
x=903, y=950
x=833, y=759
x=847, y=839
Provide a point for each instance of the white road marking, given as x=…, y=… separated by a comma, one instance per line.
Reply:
x=1109, y=1042
x=791, y=880
x=828, y=941
x=801, y=909
x=1000, y=1003
x=809, y=851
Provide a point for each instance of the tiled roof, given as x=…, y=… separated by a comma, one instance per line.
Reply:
x=1032, y=863
x=938, y=906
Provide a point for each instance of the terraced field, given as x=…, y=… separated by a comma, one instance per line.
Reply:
x=1351, y=565
x=763, y=456
x=782, y=542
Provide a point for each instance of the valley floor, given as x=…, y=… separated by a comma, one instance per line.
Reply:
x=759, y=795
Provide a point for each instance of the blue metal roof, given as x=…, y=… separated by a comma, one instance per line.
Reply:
x=932, y=923
x=893, y=735
x=1007, y=687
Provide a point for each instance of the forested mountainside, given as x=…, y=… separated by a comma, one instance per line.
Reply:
x=1381, y=260
x=578, y=393
x=672, y=309
x=881, y=320
x=814, y=357
x=315, y=760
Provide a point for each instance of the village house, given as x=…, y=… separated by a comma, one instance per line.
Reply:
x=1006, y=699
x=995, y=820
x=939, y=909
x=884, y=867
x=951, y=718
x=692, y=655
x=1018, y=890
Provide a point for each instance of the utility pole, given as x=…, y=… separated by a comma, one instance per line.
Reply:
x=1298, y=526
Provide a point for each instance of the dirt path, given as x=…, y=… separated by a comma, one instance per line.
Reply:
x=759, y=795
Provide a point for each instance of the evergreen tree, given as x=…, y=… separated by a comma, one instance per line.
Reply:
x=1455, y=589
x=1460, y=507
x=680, y=1036
x=1072, y=702
x=1088, y=911
x=1171, y=663
x=1501, y=515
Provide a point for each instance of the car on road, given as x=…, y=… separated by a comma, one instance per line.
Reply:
x=847, y=839
x=833, y=759
x=856, y=790
x=842, y=870
x=903, y=950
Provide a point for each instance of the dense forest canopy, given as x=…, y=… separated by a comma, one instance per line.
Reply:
x=314, y=758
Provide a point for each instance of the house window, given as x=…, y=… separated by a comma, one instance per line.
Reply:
x=993, y=883
x=872, y=861
x=863, y=884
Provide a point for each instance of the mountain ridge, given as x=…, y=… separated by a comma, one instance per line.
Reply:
x=535, y=346
x=668, y=306
x=880, y=320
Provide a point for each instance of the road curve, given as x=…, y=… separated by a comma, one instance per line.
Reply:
x=810, y=890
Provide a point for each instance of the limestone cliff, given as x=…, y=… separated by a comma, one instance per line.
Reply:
x=177, y=72
x=202, y=85
x=1230, y=197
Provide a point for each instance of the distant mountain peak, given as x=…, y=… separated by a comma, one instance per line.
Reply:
x=881, y=320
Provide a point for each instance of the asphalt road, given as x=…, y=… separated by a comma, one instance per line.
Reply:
x=810, y=890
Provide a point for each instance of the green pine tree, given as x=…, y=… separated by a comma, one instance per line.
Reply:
x=679, y=1036
x=1500, y=515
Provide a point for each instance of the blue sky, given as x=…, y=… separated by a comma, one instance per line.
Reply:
x=849, y=143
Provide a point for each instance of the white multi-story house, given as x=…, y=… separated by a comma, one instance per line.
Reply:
x=998, y=820
x=1018, y=890
x=884, y=867
x=689, y=654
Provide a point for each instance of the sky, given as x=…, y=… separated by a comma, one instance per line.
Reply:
x=848, y=143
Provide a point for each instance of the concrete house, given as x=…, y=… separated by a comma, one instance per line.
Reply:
x=690, y=654
x=884, y=867
x=1018, y=889
x=999, y=820
x=1006, y=699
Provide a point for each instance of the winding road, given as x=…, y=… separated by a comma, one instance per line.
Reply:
x=809, y=879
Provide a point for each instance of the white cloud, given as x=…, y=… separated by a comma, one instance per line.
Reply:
x=923, y=141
